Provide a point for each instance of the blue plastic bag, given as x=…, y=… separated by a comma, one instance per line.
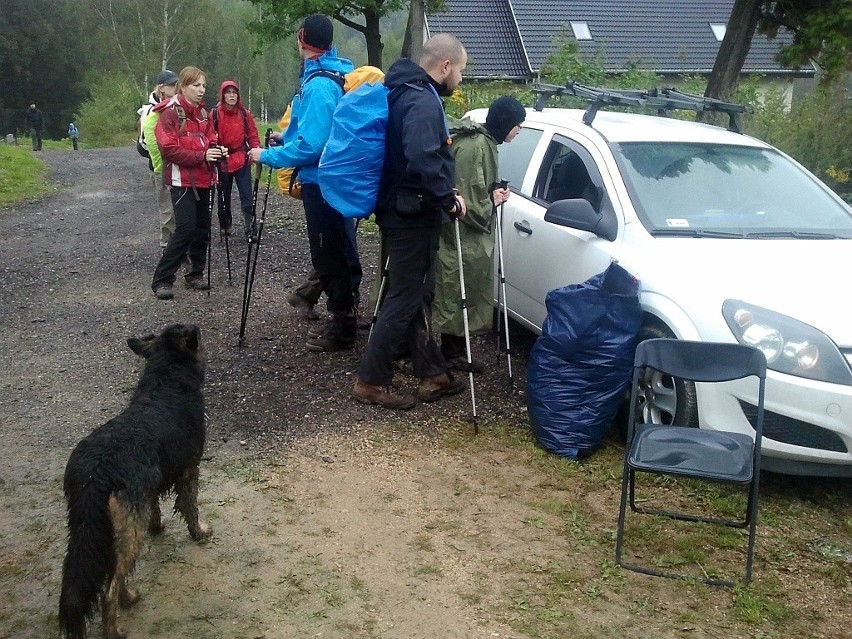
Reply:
x=581, y=365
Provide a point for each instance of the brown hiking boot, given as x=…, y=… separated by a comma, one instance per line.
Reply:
x=383, y=396
x=303, y=307
x=438, y=386
x=323, y=344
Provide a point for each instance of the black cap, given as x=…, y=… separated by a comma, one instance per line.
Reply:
x=317, y=32
x=504, y=114
x=167, y=77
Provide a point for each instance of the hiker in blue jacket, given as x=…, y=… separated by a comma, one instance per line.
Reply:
x=300, y=146
x=416, y=197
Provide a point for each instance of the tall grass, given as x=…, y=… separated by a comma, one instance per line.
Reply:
x=21, y=174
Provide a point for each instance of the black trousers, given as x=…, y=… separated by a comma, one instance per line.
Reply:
x=311, y=289
x=35, y=135
x=226, y=185
x=191, y=236
x=403, y=319
x=329, y=239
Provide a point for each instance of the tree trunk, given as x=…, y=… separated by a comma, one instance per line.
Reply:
x=373, y=37
x=724, y=78
x=412, y=45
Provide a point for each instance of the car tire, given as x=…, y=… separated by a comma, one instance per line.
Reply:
x=673, y=401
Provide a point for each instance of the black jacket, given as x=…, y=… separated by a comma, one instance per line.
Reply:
x=419, y=171
x=34, y=119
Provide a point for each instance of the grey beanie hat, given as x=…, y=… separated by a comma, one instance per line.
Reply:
x=167, y=77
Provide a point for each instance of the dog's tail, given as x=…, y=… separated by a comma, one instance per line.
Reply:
x=90, y=559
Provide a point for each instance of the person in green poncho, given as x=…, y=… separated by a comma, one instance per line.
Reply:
x=475, y=151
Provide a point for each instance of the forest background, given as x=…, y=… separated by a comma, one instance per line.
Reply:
x=94, y=61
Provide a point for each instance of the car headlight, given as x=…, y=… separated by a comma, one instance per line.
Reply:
x=790, y=346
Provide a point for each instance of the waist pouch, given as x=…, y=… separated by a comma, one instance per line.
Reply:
x=409, y=204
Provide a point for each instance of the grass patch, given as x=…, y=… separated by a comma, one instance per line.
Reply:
x=21, y=175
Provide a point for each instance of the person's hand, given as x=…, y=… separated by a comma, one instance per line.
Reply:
x=254, y=154
x=275, y=138
x=461, y=209
x=499, y=196
x=214, y=154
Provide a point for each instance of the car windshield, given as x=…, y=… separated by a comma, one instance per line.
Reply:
x=727, y=191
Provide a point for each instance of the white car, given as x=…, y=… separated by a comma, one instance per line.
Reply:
x=731, y=239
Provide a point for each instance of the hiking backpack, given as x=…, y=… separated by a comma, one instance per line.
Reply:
x=350, y=166
x=141, y=145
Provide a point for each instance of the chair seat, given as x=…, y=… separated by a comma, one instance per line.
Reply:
x=707, y=454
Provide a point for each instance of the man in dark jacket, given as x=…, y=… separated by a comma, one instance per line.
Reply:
x=35, y=122
x=416, y=197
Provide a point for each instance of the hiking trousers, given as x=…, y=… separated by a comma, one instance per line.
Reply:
x=242, y=178
x=405, y=314
x=328, y=238
x=191, y=236
x=165, y=210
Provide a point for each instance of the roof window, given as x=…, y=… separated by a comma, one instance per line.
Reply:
x=718, y=30
x=581, y=30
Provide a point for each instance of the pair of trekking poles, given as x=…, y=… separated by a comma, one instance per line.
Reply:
x=501, y=302
x=255, y=232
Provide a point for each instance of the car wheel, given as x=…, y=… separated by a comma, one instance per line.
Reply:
x=663, y=399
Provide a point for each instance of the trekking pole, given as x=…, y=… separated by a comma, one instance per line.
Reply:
x=221, y=202
x=382, y=285
x=502, y=275
x=466, y=325
x=254, y=242
x=210, y=195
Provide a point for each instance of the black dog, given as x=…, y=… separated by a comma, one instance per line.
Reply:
x=116, y=475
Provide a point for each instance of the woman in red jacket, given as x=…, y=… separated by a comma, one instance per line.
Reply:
x=236, y=130
x=190, y=152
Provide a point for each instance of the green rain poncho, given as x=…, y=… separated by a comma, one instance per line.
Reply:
x=475, y=152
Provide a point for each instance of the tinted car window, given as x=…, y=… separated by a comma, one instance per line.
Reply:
x=515, y=157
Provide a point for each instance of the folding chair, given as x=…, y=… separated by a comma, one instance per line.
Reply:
x=685, y=452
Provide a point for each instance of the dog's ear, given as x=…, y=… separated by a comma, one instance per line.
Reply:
x=193, y=338
x=141, y=345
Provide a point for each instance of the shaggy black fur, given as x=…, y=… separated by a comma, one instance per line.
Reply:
x=115, y=477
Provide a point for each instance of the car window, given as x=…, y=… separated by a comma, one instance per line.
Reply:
x=566, y=174
x=688, y=188
x=515, y=157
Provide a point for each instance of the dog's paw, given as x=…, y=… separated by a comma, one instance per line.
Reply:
x=203, y=531
x=129, y=597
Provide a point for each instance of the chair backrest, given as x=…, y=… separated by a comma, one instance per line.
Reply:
x=701, y=361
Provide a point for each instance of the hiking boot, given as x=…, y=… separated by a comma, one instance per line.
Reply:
x=315, y=331
x=303, y=307
x=438, y=386
x=197, y=284
x=461, y=364
x=323, y=344
x=383, y=396
x=164, y=292
x=338, y=333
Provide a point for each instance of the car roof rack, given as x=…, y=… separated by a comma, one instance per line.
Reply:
x=664, y=100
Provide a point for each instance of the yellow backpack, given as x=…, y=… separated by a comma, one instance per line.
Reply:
x=288, y=181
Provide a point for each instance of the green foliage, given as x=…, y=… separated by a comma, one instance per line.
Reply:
x=21, y=173
x=817, y=132
x=109, y=117
x=822, y=32
x=41, y=61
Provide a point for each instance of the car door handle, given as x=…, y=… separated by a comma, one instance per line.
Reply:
x=523, y=227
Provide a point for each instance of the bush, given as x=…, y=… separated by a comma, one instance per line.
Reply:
x=109, y=117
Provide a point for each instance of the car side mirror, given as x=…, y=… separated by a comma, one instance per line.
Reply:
x=581, y=215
